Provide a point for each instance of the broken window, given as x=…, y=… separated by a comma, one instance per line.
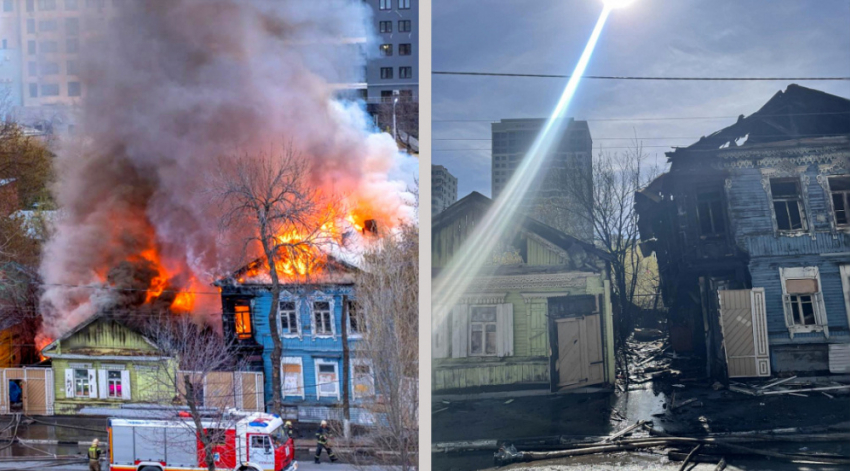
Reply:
x=482, y=331
x=288, y=318
x=322, y=318
x=788, y=204
x=242, y=317
x=710, y=213
x=386, y=50
x=355, y=321
x=803, y=300
x=839, y=187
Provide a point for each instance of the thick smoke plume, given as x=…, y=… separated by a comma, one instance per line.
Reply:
x=170, y=87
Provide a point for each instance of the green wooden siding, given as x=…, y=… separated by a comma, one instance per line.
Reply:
x=106, y=337
x=489, y=374
x=540, y=254
x=144, y=385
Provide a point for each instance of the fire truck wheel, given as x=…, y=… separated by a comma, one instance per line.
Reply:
x=150, y=468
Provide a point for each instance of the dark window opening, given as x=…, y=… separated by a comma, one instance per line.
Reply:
x=787, y=204
x=710, y=213
x=404, y=49
x=839, y=187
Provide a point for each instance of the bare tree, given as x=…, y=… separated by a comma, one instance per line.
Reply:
x=289, y=217
x=603, y=199
x=388, y=299
x=198, y=355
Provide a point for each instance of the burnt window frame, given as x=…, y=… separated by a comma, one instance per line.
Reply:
x=239, y=321
x=799, y=199
x=715, y=203
x=845, y=197
x=385, y=50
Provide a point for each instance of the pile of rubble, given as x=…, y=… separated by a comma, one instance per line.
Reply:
x=708, y=448
x=792, y=386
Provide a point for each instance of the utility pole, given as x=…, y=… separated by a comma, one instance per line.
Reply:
x=346, y=373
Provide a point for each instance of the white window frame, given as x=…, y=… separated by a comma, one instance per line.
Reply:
x=362, y=362
x=821, y=323
x=298, y=324
x=319, y=393
x=322, y=297
x=484, y=332
x=292, y=361
x=88, y=380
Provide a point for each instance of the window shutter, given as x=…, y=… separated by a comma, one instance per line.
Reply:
x=460, y=327
x=69, y=382
x=125, y=385
x=505, y=329
x=440, y=338
x=93, y=384
x=789, y=313
x=102, y=387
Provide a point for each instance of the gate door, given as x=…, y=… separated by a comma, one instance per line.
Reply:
x=576, y=339
x=744, y=326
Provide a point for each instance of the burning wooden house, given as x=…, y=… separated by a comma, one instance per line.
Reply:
x=538, y=316
x=751, y=230
x=319, y=325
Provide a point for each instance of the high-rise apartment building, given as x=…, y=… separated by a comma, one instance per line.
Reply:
x=443, y=189
x=393, y=70
x=549, y=199
x=41, y=42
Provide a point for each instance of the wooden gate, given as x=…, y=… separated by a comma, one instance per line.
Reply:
x=36, y=390
x=576, y=339
x=744, y=326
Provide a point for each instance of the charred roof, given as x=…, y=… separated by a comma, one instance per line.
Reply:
x=796, y=113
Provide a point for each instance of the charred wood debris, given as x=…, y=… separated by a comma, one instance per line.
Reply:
x=654, y=361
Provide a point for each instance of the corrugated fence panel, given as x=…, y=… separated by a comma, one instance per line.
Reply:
x=839, y=358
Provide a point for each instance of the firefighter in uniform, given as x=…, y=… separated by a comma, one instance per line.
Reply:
x=289, y=429
x=322, y=442
x=94, y=455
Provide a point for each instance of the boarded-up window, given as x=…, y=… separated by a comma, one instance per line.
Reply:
x=293, y=377
x=243, y=321
x=806, y=286
x=364, y=383
x=327, y=378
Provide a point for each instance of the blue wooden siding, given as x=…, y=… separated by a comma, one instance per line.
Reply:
x=306, y=346
x=750, y=214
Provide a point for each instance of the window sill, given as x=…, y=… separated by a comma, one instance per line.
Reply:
x=804, y=329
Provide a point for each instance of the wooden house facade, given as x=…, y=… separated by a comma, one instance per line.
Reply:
x=538, y=316
x=751, y=230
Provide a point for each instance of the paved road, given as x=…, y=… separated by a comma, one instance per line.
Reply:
x=302, y=465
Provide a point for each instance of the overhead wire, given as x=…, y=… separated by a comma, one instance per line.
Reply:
x=644, y=78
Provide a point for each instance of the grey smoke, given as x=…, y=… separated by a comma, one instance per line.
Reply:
x=171, y=86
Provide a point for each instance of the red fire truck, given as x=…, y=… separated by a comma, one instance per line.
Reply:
x=252, y=442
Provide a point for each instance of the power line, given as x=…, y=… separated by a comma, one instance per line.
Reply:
x=672, y=118
x=624, y=77
x=640, y=138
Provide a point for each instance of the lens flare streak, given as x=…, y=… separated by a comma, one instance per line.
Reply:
x=455, y=279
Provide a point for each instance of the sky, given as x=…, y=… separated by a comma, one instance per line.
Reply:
x=694, y=38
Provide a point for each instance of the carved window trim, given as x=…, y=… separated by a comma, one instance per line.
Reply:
x=803, y=181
